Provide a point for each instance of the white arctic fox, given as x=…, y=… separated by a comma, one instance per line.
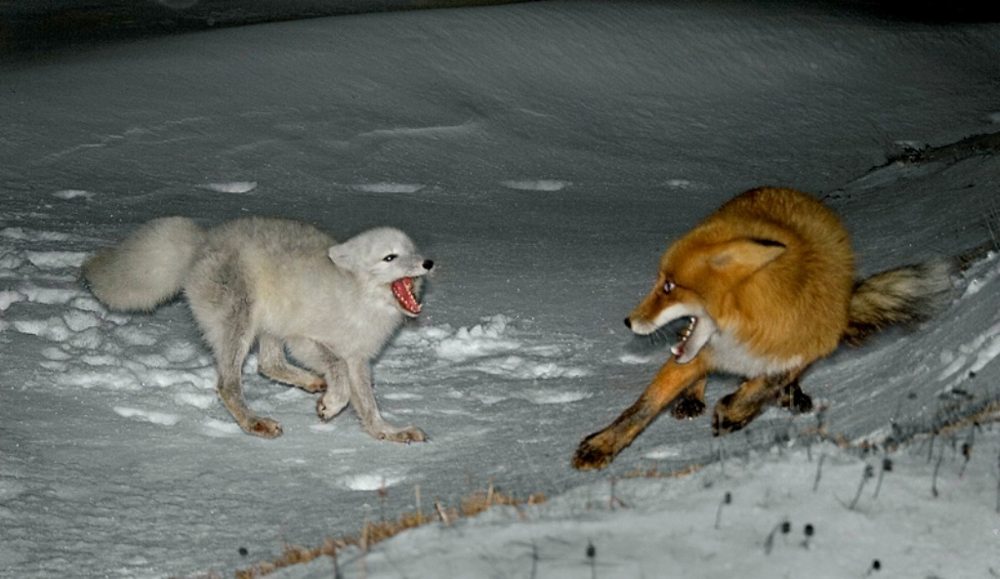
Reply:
x=282, y=283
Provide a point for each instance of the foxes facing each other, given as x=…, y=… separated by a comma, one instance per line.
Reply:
x=767, y=285
x=280, y=283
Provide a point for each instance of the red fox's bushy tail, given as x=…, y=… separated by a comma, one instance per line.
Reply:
x=148, y=267
x=905, y=295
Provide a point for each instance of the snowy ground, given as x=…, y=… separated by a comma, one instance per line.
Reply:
x=541, y=154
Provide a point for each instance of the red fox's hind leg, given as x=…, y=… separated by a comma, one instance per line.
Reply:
x=735, y=411
x=600, y=448
x=793, y=398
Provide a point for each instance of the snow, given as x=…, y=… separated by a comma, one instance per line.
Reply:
x=686, y=528
x=542, y=154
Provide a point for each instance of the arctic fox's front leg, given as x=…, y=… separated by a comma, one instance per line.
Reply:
x=363, y=398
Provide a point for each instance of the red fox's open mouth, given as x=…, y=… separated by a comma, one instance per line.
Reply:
x=693, y=338
x=403, y=290
x=683, y=336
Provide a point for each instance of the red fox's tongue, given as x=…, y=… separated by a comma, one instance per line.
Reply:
x=403, y=290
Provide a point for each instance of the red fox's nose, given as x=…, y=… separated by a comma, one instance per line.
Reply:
x=428, y=264
x=628, y=323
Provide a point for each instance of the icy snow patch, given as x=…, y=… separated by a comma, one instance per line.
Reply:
x=218, y=428
x=203, y=401
x=386, y=187
x=629, y=358
x=161, y=418
x=20, y=234
x=520, y=368
x=536, y=185
x=72, y=194
x=480, y=340
x=51, y=329
x=56, y=259
x=402, y=396
x=79, y=321
x=236, y=187
x=545, y=396
x=989, y=351
x=664, y=452
x=370, y=482
x=44, y=295
x=8, y=297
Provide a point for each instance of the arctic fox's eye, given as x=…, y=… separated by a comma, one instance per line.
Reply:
x=668, y=287
x=390, y=257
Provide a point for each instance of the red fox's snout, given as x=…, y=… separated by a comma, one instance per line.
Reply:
x=668, y=303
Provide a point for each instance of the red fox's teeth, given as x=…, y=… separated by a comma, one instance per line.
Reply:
x=685, y=334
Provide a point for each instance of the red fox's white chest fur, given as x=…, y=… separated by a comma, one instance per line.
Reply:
x=767, y=286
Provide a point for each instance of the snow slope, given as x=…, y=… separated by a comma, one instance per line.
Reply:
x=541, y=154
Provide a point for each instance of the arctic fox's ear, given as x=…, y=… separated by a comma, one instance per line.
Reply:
x=344, y=256
x=747, y=254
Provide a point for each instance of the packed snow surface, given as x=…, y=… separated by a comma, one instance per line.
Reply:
x=542, y=154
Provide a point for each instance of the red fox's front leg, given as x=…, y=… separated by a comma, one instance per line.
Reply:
x=600, y=448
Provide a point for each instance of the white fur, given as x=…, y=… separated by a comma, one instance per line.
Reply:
x=287, y=284
x=729, y=355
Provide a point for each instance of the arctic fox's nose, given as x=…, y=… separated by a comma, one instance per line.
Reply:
x=428, y=264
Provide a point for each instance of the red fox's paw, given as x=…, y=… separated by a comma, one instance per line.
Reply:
x=688, y=407
x=263, y=427
x=406, y=435
x=730, y=416
x=594, y=452
x=793, y=398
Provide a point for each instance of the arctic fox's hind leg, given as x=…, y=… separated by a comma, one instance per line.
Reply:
x=229, y=362
x=221, y=304
x=274, y=365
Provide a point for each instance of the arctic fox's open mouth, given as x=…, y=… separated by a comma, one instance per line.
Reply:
x=402, y=289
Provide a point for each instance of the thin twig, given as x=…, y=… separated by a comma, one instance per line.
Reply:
x=869, y=473
x=819, y=472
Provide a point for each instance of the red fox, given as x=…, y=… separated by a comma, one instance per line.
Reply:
x=767, y=285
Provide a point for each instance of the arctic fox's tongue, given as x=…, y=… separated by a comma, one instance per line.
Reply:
x=403, y=290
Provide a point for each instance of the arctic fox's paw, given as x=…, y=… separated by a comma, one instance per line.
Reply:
x=263, y=427
x=330, y=405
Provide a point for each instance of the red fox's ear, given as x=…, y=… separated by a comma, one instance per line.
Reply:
x=751, y=254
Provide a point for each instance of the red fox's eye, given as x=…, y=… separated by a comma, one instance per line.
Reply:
x=668, y=287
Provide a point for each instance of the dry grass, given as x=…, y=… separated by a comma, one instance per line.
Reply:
x=375, y=532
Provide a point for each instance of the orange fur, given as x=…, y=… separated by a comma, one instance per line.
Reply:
x=769, y=279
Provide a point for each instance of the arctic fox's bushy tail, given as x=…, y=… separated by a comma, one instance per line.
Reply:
x=148, y=267
x=906, y=295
